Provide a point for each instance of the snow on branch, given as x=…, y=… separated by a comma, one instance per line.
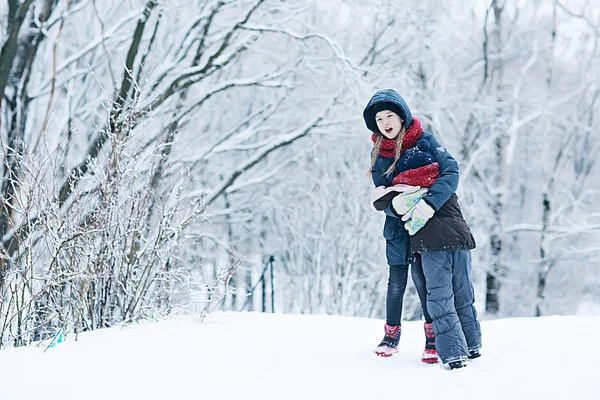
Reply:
x=339, y=53
x=591, y=24
x=263, y=178
x=265, y=81
x=559, y=230
x=45, y=86
x=281, y=141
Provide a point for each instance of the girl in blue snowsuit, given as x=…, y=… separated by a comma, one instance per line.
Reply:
x=424, y=226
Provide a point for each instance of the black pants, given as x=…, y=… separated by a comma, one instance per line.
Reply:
x=397, y=281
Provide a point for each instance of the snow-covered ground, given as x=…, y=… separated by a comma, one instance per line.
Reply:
x=266, y=356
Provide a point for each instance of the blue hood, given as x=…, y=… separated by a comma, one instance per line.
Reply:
x=386, y=99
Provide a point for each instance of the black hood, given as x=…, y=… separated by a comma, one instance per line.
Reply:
x=387, y=99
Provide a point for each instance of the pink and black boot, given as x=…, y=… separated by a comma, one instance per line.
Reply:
x=430, y=355
x=389, y=344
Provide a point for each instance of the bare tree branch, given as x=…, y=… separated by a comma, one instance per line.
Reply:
x=591, y=24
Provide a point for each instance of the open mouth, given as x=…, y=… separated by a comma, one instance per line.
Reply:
x=389, y=130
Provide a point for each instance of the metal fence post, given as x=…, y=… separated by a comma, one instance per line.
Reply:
x=271, y=260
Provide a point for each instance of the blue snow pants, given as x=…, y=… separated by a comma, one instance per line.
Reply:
x=450, y=298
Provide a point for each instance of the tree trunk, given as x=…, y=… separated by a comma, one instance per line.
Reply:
x=495, y=273
x=545, y=267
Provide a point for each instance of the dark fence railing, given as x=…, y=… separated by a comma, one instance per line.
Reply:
x=262, y=281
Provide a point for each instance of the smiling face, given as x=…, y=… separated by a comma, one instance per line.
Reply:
x=389, y=123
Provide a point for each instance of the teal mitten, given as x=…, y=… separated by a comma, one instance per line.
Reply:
x=417, y=217
x=408, y=199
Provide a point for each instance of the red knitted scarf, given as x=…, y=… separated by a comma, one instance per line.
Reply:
x=424, y=176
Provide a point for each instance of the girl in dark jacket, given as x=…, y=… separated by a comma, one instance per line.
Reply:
x=425, y=227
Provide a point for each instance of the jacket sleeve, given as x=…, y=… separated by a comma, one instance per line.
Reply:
x=447, y=183
x=379, y=179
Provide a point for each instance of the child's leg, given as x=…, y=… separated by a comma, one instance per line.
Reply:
x=464, y=297
x=450, y=340
x=416, y=271
x=395, y=294
x=397, y=280
x=430, y=354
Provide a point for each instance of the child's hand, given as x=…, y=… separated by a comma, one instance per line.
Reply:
x=381, y=196
x=417, y=217
x=408, y=199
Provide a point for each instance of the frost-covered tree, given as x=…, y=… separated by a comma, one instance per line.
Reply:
x=156, y=154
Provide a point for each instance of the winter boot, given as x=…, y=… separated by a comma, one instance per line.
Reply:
x=474, y=354
x=457, y=364
x=430, y=355
x=389, y=344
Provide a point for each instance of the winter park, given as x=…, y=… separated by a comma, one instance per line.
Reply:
x=293, y=199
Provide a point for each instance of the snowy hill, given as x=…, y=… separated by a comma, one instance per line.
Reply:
x=266, y=356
